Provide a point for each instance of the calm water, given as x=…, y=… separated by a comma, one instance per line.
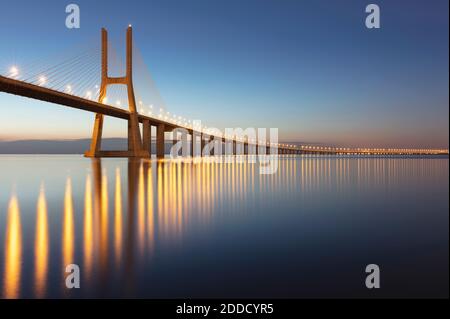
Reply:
x=172, y=229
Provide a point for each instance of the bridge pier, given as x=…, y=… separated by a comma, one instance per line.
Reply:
x=212, y=148
x=146, y=135
x=185, y=150
x=217, y=146
x=160, y=138
x=202, y=144
x=136, y=146
x=194, y=136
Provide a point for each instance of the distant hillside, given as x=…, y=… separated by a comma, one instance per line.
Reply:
x=57, y=146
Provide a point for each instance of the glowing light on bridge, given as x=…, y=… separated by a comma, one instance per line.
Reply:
x=42, y=80
x=69, y=89
x=14, y=71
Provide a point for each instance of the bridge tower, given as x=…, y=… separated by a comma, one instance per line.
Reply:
x=135, y=147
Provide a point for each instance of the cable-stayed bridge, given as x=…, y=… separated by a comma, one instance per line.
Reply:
x=80, y=81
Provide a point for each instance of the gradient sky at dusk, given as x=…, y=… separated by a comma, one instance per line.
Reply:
x=310, y=68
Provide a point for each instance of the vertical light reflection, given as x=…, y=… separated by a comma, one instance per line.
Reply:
x=179, y=197
x=13, y=251
x=104, y=221
x=160, y=195
x=141, y=208
x=207, y=187
x=172, y=199
x=41, y=245
x=118, y=217
x=198, y=190
x=88, y=227
x=68, y=226
x=150, y=207
x=185, y=190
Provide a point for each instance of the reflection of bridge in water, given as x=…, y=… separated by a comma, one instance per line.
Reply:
x=35, y=86
x=130, y=212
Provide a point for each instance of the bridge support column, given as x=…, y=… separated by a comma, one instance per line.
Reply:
x=212, y=150
x=194, y=147
x=146, y=135
x=223, y=145
x=135, y=144
x=96, y=141
x=130, y=136
x=185, y=150
x=202, y=145
x=160, y=130
x=204, y=138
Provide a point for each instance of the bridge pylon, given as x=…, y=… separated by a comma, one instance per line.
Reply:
x=135, y=147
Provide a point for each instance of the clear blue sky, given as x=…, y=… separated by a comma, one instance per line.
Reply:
x=310, y=68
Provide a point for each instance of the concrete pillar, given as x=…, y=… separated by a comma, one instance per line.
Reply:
x=193, y=143
x=129, y=135
x=161, y=128
x=146, y=135
x=185, y=145
x=135, y=144
x=202, y=144
x=205, y=140
x=224, y=145
x=212, y=150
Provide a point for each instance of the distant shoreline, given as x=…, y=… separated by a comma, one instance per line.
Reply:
x=79, y=146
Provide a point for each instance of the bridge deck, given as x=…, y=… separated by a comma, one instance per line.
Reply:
x=37, y=92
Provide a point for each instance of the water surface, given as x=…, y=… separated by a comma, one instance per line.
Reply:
x=163, y=229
